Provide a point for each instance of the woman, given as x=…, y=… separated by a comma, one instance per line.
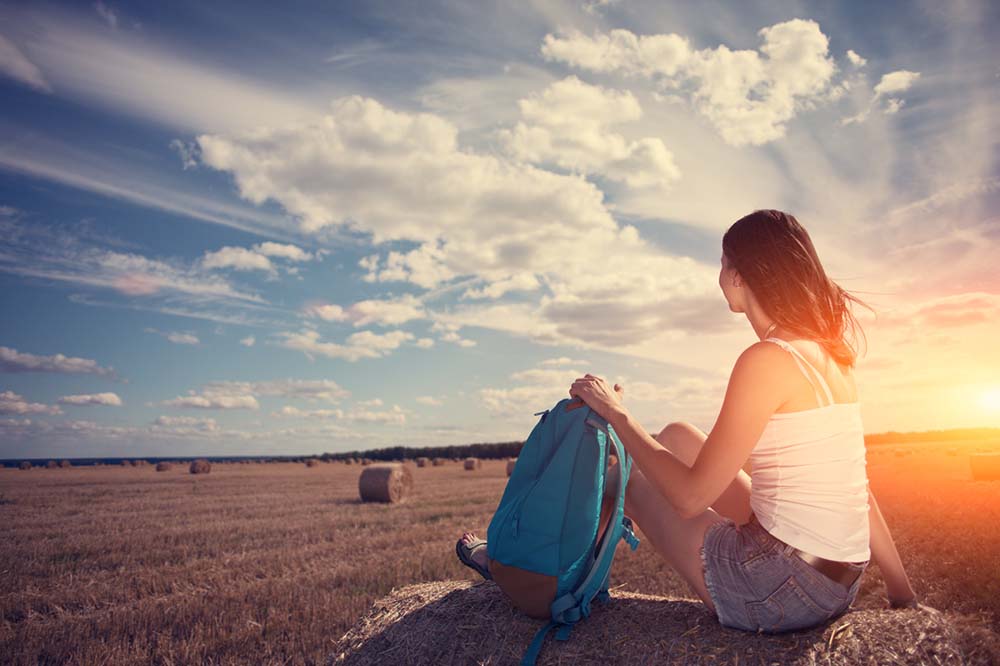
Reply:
x=785, y=548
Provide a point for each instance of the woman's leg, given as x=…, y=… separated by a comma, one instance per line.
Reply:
x=685, y=441
x=677, y=539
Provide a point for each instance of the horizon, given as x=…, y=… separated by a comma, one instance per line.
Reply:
x=334, y=229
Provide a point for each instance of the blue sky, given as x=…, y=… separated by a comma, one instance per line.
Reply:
x=233, y=229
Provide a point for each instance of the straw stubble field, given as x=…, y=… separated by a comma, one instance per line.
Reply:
x=273, y=563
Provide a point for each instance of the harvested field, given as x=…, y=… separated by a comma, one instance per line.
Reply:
x=274, y=563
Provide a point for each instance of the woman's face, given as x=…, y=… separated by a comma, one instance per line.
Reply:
x=728, y=281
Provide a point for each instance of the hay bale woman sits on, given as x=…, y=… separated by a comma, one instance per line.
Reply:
x=785, y=548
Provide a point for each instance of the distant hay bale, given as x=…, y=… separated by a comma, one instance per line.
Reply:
x=366, y=461
x=52, y=464
x=389, y=482
x=65, y=463
x=510, y=466
x=985, y=466
x=422, y=462
x=200, y=467
x=163, y=467
x=472, y=464
x=126, y=463
x=312, y=462
x=24, y=465
x=140, y=463
x=438, y=462
x=420, y=622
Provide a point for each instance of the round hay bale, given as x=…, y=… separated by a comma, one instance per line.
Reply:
x=510, y=466
x=366, y=461
x=985, y=466
x=52, y=464
x=65, y=463
x=437, y=462
x=472, y=464
x=200, y=467
x=312, y=462
x=163, y=467
x=390, y=482
x=24, y=465
x=419, y=621
x=126, y=463
x=422, y=462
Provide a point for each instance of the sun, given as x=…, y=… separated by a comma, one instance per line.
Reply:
x=990, y=400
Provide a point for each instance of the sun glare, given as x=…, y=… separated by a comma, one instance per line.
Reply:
x=990, y=400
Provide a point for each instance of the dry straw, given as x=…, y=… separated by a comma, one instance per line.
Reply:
x=390, y=482
x=472, y=464
x=985, y=466
x=417, y=625
x=163, y=467
x=200, y=467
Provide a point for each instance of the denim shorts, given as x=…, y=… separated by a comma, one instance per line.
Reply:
x=757, y=586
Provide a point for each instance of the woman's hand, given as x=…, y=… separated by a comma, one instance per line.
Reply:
x=595, y=393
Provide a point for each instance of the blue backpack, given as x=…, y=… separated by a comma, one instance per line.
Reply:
x=543, y=543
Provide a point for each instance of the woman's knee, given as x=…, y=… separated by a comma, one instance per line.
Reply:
x=683, y=439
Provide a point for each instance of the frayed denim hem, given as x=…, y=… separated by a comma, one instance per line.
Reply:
x=709, y=581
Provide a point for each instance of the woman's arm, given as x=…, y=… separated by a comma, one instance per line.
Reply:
x=753, y=394
x=884, y=554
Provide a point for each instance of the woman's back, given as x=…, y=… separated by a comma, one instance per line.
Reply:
x=809, y=485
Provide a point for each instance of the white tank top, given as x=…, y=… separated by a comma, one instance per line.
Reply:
x=809, y=482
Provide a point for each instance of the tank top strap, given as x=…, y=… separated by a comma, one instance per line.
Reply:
x=803, y=365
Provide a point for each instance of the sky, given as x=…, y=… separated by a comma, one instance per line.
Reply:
x=237, y=228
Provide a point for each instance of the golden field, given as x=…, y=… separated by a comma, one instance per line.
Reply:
x=272, y=563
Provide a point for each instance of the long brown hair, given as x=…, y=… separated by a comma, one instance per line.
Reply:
x=774, y=255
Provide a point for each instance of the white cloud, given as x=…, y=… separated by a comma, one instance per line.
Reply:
x=248, y=341
x=363, y=344
x=176, y=337
x=449, y=333
x=213, y=401
x=895, y=82
x=109, y=399
x=565, y=360
x=890, y=84
x=255, y=258
x=429, y=400
x=12, y=360
x=39, y=251
x=181, y=423
x=893, y=105
x=519, y=282
x=12, y=403
x=238, y=258
x=182, y=338
x=567, y=125
x=424, y=343
x=855, y=59
x=14, y=64
x=312, y=390
x=134, y=73
x=395, y=415
x=748, y=95
x=107, y=14
x=385, y=312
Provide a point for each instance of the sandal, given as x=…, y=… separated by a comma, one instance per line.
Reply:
x=465, y=555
